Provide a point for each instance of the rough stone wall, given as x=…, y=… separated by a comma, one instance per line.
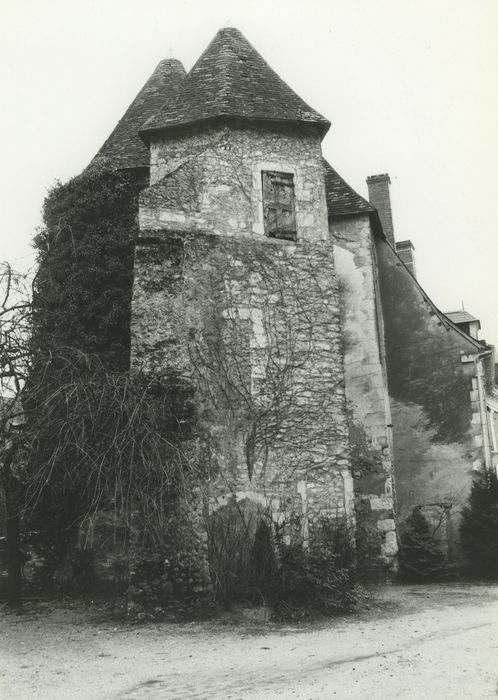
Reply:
x=168, y=580
x=366, y=382
x=253, y=322
x=211, y=180
x=437, y=428
x=254, y=327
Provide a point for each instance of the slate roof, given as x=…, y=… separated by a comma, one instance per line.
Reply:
x=232, y=80
x=124, y=148
x=461, y=316
x=341, y=198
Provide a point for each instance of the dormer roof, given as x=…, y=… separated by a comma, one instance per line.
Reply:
x=232, y=81
x=124, y=148
x=462, y=316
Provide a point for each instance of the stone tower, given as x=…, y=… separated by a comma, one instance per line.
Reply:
x=235, y=290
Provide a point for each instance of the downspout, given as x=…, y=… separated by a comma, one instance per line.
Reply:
x=494, y=450
x=482, y=408
x=492, y=410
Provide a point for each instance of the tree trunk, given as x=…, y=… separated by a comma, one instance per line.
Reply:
x=14, y=557
x=14, y=562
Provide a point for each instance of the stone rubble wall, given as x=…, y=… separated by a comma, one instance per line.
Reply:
x=254, y=326
x=172, y=580
x=255, y=329
x=210, y=180
x=266, y=310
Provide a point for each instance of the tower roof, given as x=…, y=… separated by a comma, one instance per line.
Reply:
x=124, y=148
x=232, y=80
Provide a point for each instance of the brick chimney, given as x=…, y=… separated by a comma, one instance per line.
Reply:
x=405, y=251
x=378, y=194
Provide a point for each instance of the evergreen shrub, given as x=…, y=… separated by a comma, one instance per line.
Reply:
x=479, y=528
x=420, y=558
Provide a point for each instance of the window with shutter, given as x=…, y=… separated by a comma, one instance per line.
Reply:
x=278, y=205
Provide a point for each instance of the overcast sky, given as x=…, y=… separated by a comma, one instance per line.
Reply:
x=410, y=87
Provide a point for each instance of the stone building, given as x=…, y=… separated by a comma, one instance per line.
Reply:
x=235, y=288
x=319, y=368
x=440, y=380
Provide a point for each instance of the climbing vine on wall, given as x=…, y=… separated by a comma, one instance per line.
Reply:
x=85, y=252
x=260, y=331
x=94, y=437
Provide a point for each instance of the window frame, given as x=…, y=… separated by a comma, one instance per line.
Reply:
x=283, y=207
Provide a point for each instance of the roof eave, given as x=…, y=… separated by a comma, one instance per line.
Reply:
x=350, y=212
x=146, y=133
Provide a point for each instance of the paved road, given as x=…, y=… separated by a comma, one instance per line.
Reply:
x=426, y=642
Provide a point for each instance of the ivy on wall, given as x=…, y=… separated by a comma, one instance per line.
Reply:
x=423, y=356
x=82, y=291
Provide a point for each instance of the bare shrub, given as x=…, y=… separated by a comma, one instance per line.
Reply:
x=231, y=534
x=320, y=577
x=256, y=560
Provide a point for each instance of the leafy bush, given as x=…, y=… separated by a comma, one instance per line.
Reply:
x=479, y=528
x=420, y=557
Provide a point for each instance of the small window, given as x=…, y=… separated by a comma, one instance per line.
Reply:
x=278, y=205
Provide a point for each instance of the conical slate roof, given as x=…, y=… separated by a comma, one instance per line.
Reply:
x=124, y=148
x=232, y=80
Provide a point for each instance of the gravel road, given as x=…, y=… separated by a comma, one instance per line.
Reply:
x=429, y=642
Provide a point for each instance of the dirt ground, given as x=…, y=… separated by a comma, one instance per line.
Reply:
x=409, y=643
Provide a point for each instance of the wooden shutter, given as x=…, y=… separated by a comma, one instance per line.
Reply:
x=278, y=205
